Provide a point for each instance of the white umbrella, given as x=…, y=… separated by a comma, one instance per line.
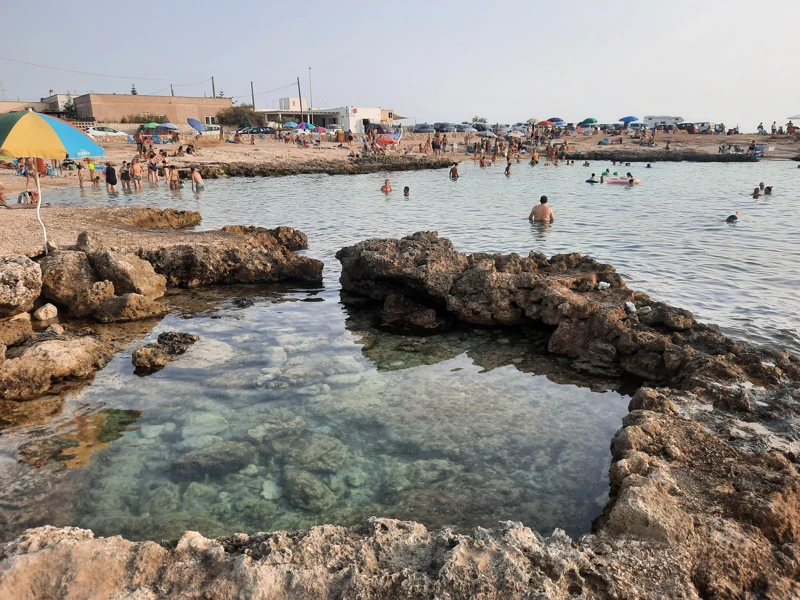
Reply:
x=794, y=117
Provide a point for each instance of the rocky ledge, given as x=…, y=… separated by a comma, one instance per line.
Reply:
x=704, y=496
x=114, y=284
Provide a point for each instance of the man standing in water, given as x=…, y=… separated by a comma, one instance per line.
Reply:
x=454, y=171
x=542, y=212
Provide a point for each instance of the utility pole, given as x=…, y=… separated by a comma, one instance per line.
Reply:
x=3, y=90
x=300, y=98
x=310, y=98
x=172, y=91
x=213, y=89
x=252, y=95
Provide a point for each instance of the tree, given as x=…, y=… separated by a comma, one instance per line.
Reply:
x=237, y=115
x=69, y=110
x=221, y=94
x=133, y=90
x=477, y=119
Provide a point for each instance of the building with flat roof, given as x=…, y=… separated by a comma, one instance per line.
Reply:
x=349, y=118
x=113, y=108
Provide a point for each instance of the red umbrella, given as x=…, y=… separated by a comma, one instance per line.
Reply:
x=544, y=123
x=321, y=130
x=384, y=141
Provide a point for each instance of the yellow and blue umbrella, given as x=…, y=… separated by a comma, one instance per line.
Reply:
x=35, y=135
x=42, y=136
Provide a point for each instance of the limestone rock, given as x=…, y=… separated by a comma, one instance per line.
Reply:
x=398, y=311
x=51, y=361
x=45, y=313
x=150, y=357
x=215, y=460
x=15, y=332
x=317, y=453
x=87, y=301
x=248, y=255
x=20, y=284
x=129, y=273
x=65, y=274
x=2, y=352
x=129, y=307
x=307, y=491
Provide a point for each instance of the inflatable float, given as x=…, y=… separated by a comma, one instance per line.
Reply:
x=592, y=181
x=623, y=181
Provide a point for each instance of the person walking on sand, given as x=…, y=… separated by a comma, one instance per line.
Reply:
x=138, y=137
x=542, y=212
x=387, y=187
x=197, y=180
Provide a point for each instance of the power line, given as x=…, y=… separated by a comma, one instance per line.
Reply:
x=128, y=77
x=262, y=93
x=179, y=85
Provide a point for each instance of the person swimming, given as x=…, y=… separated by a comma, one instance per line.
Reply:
x=592, y=179
x=768, y=190
x=756, y=193
x=648, y=166
x=761, y=185
x=406, y=191
x=733, y=218
x=586, y=163
x=387, y=187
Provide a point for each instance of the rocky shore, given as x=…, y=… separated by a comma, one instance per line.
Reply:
x=97, y=281
x=623, y=155
x=704, y=494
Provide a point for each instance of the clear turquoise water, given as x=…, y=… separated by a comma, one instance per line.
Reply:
x=290, y=412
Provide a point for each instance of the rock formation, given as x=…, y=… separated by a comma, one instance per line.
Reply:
x=152, y=357
x=20, y=284
x=704, y=488
x=596, y=318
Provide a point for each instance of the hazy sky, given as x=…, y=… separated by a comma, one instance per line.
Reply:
x=731, y=61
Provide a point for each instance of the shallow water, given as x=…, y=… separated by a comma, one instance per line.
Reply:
x=296, y=411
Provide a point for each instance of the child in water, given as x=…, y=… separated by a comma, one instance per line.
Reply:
x=406, y=191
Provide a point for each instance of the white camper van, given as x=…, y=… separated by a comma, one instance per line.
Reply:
x=661, y=121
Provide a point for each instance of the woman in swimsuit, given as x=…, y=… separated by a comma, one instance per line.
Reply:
x=152, y=168
x=111, y=178
x=125, y=176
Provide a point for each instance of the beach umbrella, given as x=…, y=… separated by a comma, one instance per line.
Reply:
x=515, y=134
x=150, y=125
x=544, y=123
x=589, y=121
x=556, y=120
x=290, y=124
x=385, y=141
x=168, y=126
x=305, y=126
x=321, y=130
x=197, y=125
x=793, y=118
x=629, y=119
x=41, y=136
x=488, y=134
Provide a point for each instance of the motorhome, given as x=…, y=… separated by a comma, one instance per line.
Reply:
x=661, y=121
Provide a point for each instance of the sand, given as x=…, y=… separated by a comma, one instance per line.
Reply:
x=279, y=155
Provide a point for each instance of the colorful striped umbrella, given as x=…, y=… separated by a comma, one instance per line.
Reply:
x=34, y=135
x=41, y=136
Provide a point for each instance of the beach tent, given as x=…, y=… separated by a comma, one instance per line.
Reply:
x=41, y=136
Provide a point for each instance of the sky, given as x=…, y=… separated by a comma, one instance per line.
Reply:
x=731, y=61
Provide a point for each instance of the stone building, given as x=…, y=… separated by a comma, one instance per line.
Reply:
x=112, y=108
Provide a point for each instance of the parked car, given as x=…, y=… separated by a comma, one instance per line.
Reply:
x=423, y=128
x=445, y=128
x=98, y=131
x=482, y=126
x=212, y=130
x=257, y=131
x=464, y=128
x=381, y=129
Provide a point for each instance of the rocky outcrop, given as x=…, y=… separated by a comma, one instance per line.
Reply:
x=247, y=255
x=595, y=317
x=129, y=273
x=14, y=332
x=20, y=284
x=128, y=307
x=68, y=279
x=152, y=357
x=40, y=365
x=155, y=218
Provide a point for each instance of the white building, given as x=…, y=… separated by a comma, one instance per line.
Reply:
x=350, y=118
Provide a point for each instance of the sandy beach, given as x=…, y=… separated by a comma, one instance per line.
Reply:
x=277, y=156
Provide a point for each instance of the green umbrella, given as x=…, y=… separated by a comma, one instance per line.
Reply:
x=151, y=126
x=589, y=121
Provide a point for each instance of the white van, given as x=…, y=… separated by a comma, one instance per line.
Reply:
x=660, y=121
x=212, y=130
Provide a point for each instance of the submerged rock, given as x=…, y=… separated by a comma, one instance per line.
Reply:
x=152, y=357
x=20, y=284
x=215, y=460
x=317, y=453
x=307, y=491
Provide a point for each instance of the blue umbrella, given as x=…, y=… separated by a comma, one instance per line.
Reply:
x=167, y=126
x=197, y=125
x=629, y=119
x=305, y=126
x=291, y=124
x=556, y=120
